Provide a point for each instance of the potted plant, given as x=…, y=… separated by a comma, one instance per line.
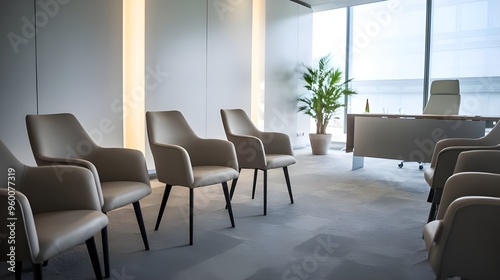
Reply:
x=327, y=90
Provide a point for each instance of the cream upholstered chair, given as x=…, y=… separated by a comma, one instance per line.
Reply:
x=256, y=149
x=465, y=242
x=120, y=174
x=468, y=184
x=45, y=215
x=444, y=158
x=444, y=98
x=184, y=159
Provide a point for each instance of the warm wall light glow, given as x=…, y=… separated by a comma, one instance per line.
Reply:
x=258, y=62
x=133, y=74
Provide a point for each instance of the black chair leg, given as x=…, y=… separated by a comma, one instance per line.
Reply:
x=140, y=221
x=105, y=251
x=191, y=208
x=94, y=258
x=228, y=203
x=166, y=193
x=431, y=195
x=288, y=185
x=254, y=182
x=19, y=270
x=233, y=186
x=265, y=192
x=37, y=273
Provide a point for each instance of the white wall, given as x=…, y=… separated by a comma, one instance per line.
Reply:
x=17, y=76
x=198, y=60
x=80, y=66
x=203, y=50
x=288, y=45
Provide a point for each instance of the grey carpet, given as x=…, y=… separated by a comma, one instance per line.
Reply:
x=363, y=224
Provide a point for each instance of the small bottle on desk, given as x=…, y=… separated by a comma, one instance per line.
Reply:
x=367, y=107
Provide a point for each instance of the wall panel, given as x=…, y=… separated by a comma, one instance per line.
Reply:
x=17, y=75
x=80, y=65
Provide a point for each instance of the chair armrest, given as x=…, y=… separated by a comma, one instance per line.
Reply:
x=216, y=152
x=47, y=192
x=172, y=163
x=446, y=162
x=27, y=245
x=479, y=161
x=453, y=142
x=120, y=164
x=276, y=143
x=249, y=150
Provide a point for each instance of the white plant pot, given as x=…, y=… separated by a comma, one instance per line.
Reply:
x=320, y=143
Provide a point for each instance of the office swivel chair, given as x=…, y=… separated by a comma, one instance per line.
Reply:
x=444, y=100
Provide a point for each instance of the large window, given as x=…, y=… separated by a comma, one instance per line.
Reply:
x=388, y=56
x=329, y=37
x=466, y=46
x=386, y=53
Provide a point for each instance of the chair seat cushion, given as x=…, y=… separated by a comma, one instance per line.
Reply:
x=120, y=193
x=60, y=231
x=209, y=175
x=277, y=161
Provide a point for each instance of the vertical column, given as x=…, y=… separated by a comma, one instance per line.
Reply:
x=134, y=74
x=258, y=62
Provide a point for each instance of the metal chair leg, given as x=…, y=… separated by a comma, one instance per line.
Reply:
x=166, y=193
x=289, y=186
x=140, y=221
x=94, y=258
x=228, y=203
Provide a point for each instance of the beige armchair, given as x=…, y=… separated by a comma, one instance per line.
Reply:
x=257, y=150
x=444, y=158
x=465, y=241
x=184, y=159
x=444, y=98
x=120, y=174
x=45, y=215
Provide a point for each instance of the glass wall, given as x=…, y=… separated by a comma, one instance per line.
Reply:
x=329, y=37
x=466, y=46
x=388, y=56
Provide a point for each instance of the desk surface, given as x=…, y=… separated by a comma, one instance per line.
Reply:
x=351, y=118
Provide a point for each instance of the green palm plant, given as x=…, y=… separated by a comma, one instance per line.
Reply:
x=327, y=88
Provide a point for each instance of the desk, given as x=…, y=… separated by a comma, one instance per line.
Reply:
x=406, y=137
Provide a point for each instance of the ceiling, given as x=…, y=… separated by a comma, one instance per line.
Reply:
x=322, y=5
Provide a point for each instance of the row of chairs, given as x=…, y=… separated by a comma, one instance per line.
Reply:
x=461, y=235
x=63, y=202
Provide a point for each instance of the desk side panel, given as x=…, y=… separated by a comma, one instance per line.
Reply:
x=411, y=140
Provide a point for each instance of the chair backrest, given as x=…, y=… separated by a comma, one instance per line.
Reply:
x=468, y=184
x=237, y=122
x=493, y=137
x=169, y=127
x=58, y=135
x=444, y=98
x=11, y=167
x=467, y=244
